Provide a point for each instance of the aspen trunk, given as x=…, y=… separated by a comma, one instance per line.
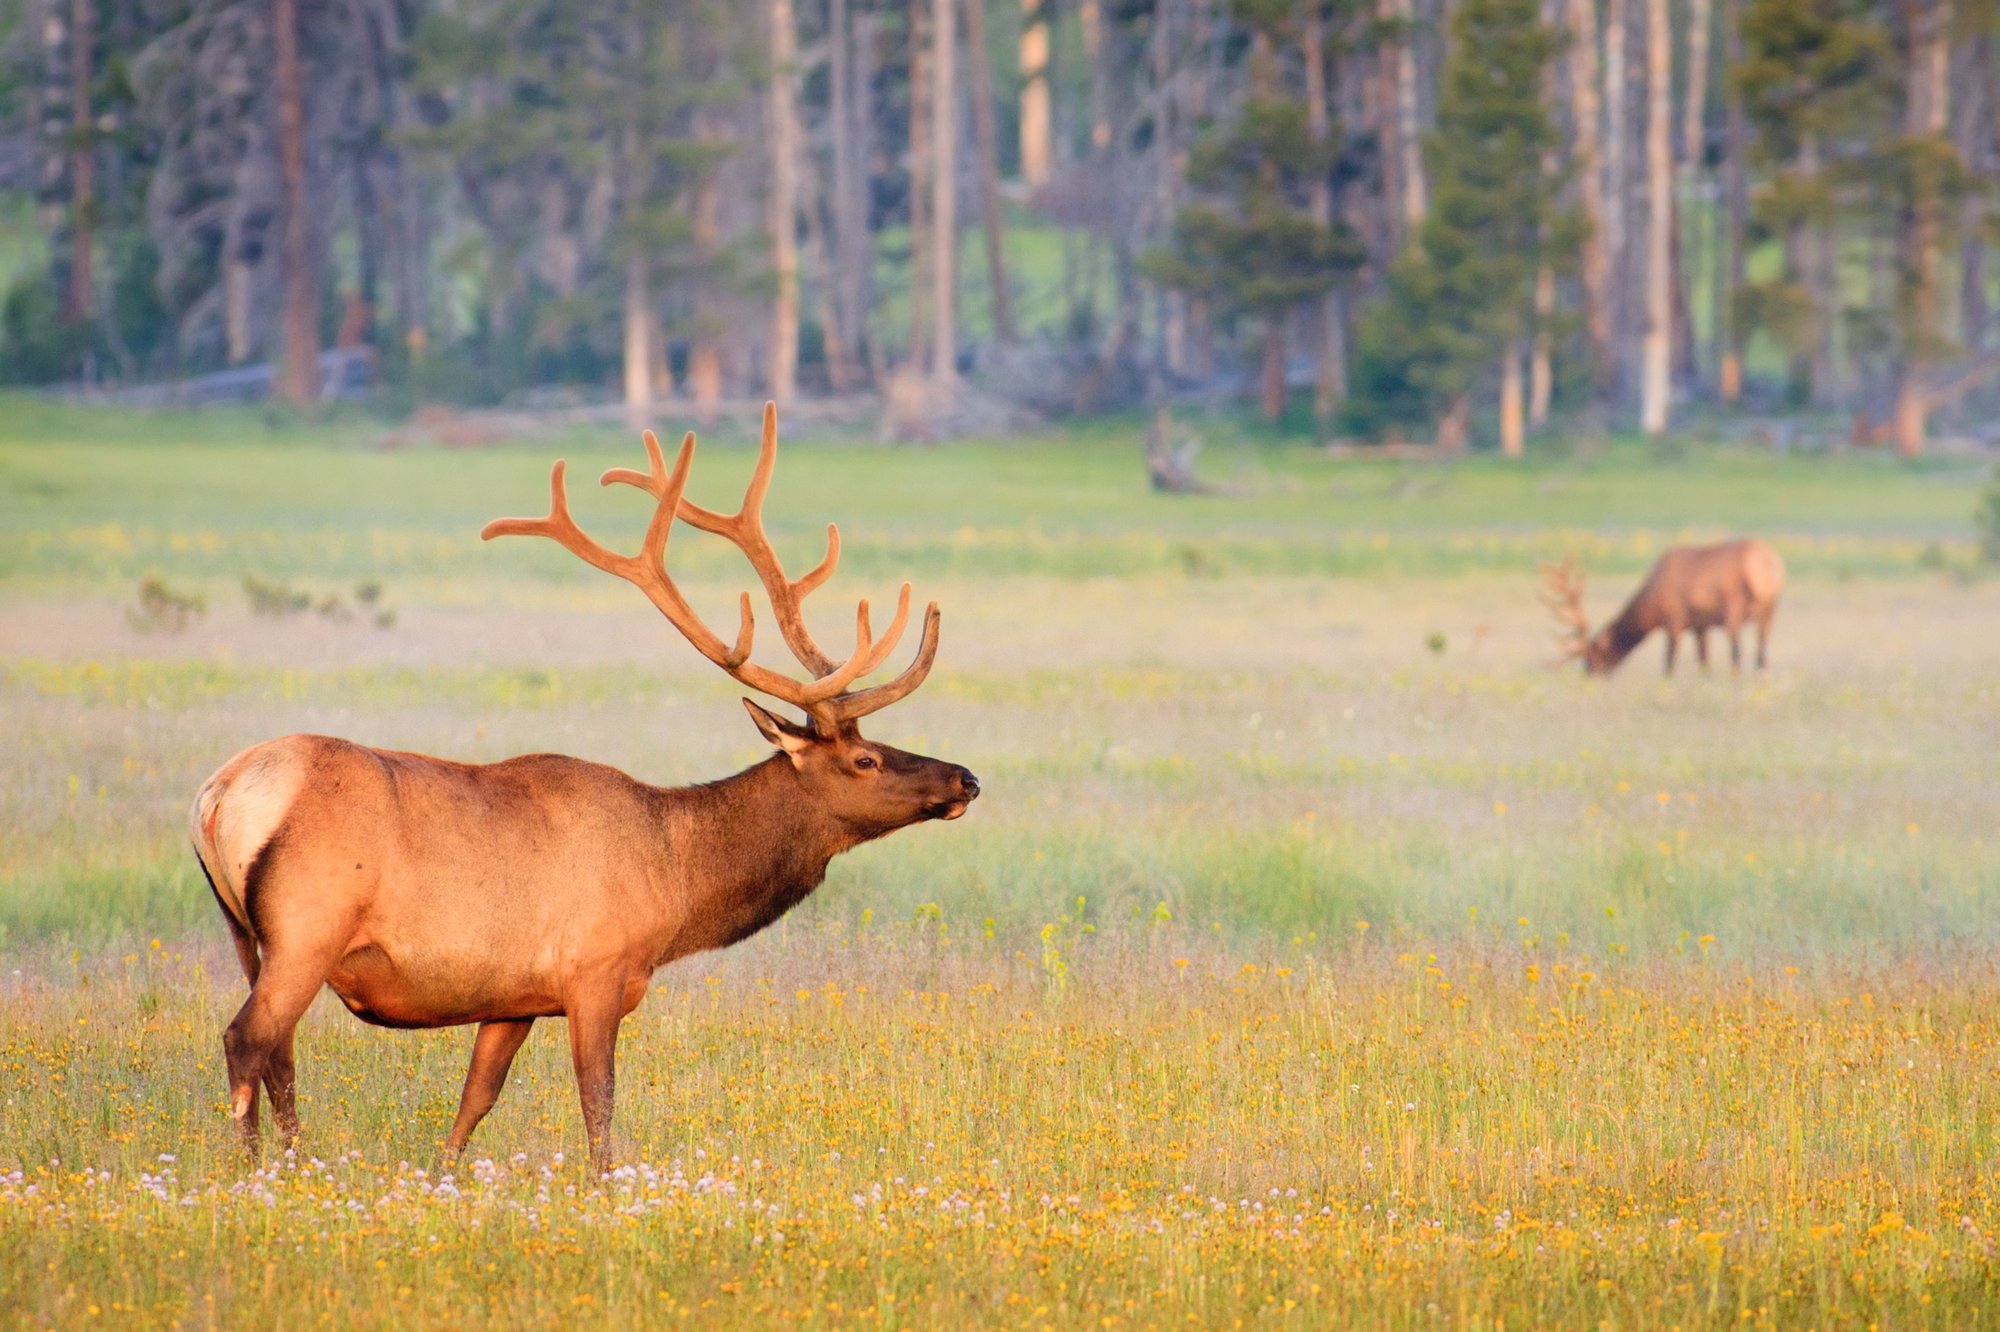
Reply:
x=639, y=353
x=1327, y=348
x=299, y=380
x=1694, y=143
x=77, y=300
x=1732, y=263
x=1273, y=378
x=1541, y=373
x=988, y=135
x=1925, y=116
x=1513, y=437
x=848, y=250
x=1584, y=112
x=944, y=191
x=1656, y=370
x=784, y=132
x=236, y=276
x=1402, y=55
x=1090, y=15
x=1617, y=185
x=704, y=368
x=1035, y=125
x=920, y=189
x=1169, y=305
x=858, y=256
x=1453, y=426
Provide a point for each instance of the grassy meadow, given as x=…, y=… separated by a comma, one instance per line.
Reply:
x=1314, y=957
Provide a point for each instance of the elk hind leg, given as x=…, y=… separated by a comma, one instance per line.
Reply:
x=1701, y=647
x=258, y=1041
x=1763, y=635
x=493, y=1051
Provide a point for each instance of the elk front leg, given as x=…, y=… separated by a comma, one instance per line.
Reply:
x=1701, y=648
x=1673, y=646
x=594, y=1015
x=493, y=1051
x=1763, y=636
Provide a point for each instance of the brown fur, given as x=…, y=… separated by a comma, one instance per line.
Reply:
x=1691, y=589
x=429, y=893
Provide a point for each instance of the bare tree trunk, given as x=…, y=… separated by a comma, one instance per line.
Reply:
x=639, y=351
x=1975, y=151
x=704, y=368
x=1035, y=124
x=1541, y=374
x=987, y=134
x=1584, y=111
x=1513, y=438
x=1731, y=266
x=1328, y=358
x=1926, y=115
x=848, y=204
x=77, y=299
x=299, y=381
x=1453, y=426
x=1170, y=306
x=1617, y=184
x=1091, y=15
x=944, y=188
x=858, y=260
x=236, y=282
x=1694, y=144
x=782, y=114
x=1273, y=376
x=920, y=186
x=1656, y=372
x=1409, y=132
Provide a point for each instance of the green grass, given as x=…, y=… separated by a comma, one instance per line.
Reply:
x=1535, y=1000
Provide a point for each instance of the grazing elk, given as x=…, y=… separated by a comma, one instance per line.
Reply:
x=429, y=893
x=1691, y=588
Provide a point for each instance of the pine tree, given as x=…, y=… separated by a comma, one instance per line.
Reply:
x=1462, y=295
x=1251, y=245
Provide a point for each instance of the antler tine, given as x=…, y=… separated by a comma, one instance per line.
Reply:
x=852, y=707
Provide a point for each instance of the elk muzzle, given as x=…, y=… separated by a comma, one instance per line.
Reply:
x=967, y=791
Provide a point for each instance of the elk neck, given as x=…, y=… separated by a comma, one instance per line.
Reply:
x=1640, y=617
x=748, y=848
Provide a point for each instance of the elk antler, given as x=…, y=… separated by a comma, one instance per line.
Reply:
x=1563, y=595
x=824, y=698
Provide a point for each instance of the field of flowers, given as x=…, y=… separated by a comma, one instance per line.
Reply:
x=1314, y=957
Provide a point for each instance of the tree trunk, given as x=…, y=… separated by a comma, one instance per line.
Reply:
x=1584, y=110
x=1273, y=377
x=1453, y=426
x=299, y=381
x=1694, y=142
x=639, y=351
x=1617, y=184
x=1090, y=16
x=1732, y=264
x=944, y=191
x=1926, y=114
x=1513, y=437
x=1170, y=306
x=1328, y=369
x=704, y=367
x=858, y=247
x=1409, y=145
x=784, y=132
x=851, y=239
x=78, y=306
x=236, y=284
x=920, y=188
x=1034, y=113
x=978, y=66
x=1656, y=371
x=1541, y=374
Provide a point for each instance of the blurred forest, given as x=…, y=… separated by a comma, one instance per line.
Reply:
x=1422, y=220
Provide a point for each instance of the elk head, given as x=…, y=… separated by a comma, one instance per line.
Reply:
x=1562, y=593
x=868, y=787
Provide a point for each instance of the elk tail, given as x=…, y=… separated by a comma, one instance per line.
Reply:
x=202, y=821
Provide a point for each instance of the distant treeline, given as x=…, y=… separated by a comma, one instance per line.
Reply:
x=1423, y=216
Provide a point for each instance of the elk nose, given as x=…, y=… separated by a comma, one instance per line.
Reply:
x=968, y=783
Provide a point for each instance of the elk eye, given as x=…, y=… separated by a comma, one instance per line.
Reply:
x=865, y=761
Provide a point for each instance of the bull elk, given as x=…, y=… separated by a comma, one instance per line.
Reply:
x=1691, y=589
x=429, y=893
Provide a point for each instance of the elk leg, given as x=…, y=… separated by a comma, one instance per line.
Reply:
x=1701, y=647
x=281, y=1084
x=593, y=1048
x=1673, y=645
x=258, y=1041
x=493, y=1051
x=1763, y=637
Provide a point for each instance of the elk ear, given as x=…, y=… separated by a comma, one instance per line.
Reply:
x=791, y=738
